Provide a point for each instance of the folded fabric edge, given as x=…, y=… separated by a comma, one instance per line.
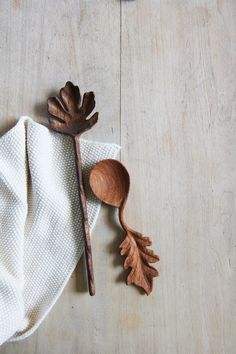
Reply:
x=25, y=118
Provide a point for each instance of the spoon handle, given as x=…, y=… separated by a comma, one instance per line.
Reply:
x=83, y=203
x=134, y=246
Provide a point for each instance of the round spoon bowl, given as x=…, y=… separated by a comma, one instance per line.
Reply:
x=110, y=182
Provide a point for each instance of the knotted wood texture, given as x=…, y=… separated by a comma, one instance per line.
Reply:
x=70, y=117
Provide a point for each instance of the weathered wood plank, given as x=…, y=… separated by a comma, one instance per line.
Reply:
x=43, y=44
x=178, y=137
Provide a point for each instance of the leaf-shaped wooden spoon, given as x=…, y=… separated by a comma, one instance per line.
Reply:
x=71, y=117
x=110, y=182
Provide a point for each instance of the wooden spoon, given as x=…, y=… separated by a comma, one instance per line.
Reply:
x=110, y=182
x=69, y=115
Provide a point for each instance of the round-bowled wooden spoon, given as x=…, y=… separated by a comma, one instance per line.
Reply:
x=110, y=182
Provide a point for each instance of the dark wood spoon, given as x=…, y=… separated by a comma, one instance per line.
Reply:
x=70, y=116
x=110, y=182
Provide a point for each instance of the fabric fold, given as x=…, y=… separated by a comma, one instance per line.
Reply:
x=41, y=235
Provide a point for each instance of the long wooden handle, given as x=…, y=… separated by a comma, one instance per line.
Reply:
x=83, y=203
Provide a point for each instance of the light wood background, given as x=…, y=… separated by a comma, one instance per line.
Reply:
x=164, y=76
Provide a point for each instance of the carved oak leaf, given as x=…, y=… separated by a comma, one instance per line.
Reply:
x=138, y=258
x=69, y=115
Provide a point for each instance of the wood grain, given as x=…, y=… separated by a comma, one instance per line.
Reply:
x=164, y=77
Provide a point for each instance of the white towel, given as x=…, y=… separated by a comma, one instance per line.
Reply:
x=41, y=237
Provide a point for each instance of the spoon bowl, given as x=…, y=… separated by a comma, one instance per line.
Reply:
x=110, y=182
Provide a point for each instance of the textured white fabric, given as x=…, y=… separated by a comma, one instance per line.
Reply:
x=41, y=238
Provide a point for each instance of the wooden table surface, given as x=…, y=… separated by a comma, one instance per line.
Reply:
x=164, y=76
